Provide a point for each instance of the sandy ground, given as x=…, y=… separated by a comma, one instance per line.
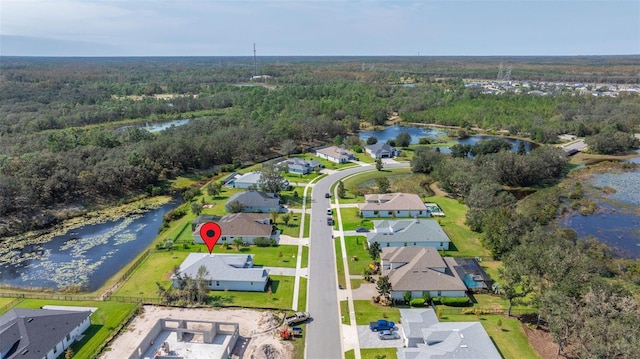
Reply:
x=258, y=331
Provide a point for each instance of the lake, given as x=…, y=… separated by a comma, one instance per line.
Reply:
x=617, y=221
x=416, y=132
x=161, y=126
x=85, y=257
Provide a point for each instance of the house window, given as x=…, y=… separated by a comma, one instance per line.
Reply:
x=224, y=238
x=68, y=337
x=441, y=244
x=414, y=243
x=390, y=213
x=405, y=244
x=387, y=244
x=251, y=283
x=439, y=293
x=217, y=283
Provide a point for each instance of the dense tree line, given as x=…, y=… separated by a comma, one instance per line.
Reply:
x=68, y=126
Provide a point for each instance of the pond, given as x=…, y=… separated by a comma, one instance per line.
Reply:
x=617, y=221
x=161, y=126
x=416, y=132
x=84, y=257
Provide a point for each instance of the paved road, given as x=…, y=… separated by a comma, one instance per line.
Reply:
x=323, y=332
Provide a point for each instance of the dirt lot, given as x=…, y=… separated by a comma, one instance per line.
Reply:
x=258, y=332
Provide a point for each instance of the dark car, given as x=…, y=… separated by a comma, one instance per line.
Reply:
x=362, y=230
x=327, y=195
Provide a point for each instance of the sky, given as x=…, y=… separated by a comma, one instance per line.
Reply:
x=319, y=27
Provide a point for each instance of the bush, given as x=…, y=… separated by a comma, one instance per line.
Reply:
x=407, y=296
x=426, y=297
x=455, y=301
x=262, y=242
x=418, y=302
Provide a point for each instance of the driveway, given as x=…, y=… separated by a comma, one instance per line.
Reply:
x=369, y=339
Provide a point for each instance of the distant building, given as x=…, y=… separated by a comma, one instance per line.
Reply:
x=382, y=150
x=300, y=166
x=256, y=201
x=336, y=154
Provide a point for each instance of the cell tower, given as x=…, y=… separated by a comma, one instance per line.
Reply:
x=499, y=72
x=255, y=63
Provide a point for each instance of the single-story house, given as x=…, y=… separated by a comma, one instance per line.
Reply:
x=203, y=218
x=421, y=271
x=247, y=226
x=247, y=180
x=40, y=333
x=336, y=154
x=393, y=205
x=300, y=166
x=256, y=201
x=382, y=150
x=409, y=233
x=224, y=272
x=426, y=337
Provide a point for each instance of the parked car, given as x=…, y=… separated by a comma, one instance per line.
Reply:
x=330, y=221
x=329, y=211
x=297, y=317
x=388, y=335
x=362, y=229
x=327, y=195
x=382, y=325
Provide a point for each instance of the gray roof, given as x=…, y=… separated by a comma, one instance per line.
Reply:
x=379, y=148
x=392, y=202
x=250, y=177
x=413, y=230
x=237, y=267
x=256, y=199
x=420, y=269
x=456, y=340
x=36, y=331
x=336, y=152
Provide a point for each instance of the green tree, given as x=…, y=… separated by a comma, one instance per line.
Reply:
x=271, y=180
x=202, y=287
x=403, y=139
x=288, y=146
x=383, y=184
x=273, y=215
x=379, y=164
x=374, y=251
x=237, y=242
x=383, y=286
x=286, y=217
x=196, y=208
x=341, y=190
x=235, y=206
x=337, y=140
x=213, y=189
x=372, y=140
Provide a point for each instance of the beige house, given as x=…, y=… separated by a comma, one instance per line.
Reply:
x=421, y=270
x=393, y=205
x=247, y=226
x=335, y=154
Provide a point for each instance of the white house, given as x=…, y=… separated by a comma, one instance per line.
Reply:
x=335, y=154
x=300, y=166
x=40, y=333
x=392, y=205
x=247, y=180
x=382, y=150
x=409, y=233
x=234, y=272
x=426, y=337
x=421, y=271
x=247, y=226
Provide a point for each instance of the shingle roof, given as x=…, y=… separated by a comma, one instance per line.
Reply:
x=421, y=271
x=250, y=177
x=456, y=340
x=392, y=202
x=248, y=224
x=255, y=199
x=335, y=152
x=36, y=331
x=378, y=148
x=414, y=230
x=238, y=267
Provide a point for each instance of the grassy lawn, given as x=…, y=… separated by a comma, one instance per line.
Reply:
x=158, y=267
x=281, y=296
x=491, y=268
x=509, y=338
x=297, y=180
x=350, y=354
x=351, y=219
x=5, y=301
x=367, y=312
x=302, y=295
x=104, y=322
x=379, y=353
x=298, y=343
x=355, y=247
x=356, y=283
x=305, y=257
x=465, y=242
x=344, y=312
x=339, y=264
x=292, y=198
x=264, y=256
x=293, y=229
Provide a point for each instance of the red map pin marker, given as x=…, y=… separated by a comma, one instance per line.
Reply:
x=210, y=233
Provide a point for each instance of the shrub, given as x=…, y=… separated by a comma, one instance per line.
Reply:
x=455, y=301
x=407, y=296
x=261, y=242
x=417, y=302
x=426, y=297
